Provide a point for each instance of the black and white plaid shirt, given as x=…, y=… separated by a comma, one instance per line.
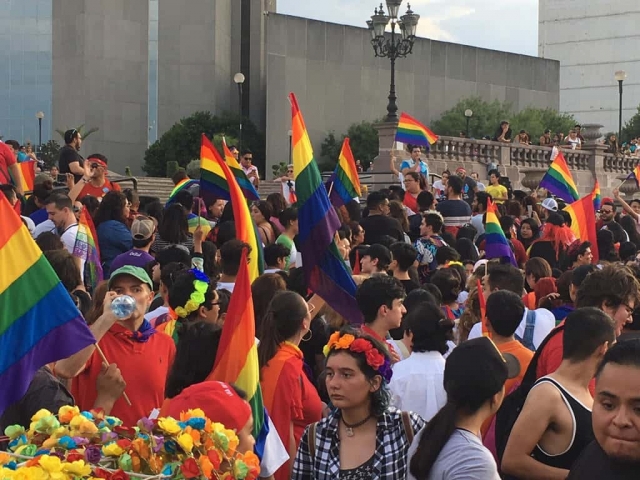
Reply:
x=390, y=458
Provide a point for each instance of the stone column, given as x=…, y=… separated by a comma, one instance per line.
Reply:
x=596, y=165
x=380, y=165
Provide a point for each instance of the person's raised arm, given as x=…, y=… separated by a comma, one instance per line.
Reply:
x=392, y=165
x=627, y=208
x=75, y=168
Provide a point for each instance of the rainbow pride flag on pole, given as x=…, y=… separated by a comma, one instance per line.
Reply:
x=187, y=184
x=597, y=196
x=635, y=175
x=558, y=179
x=413, y=132
x=496, y=244
x=28, y=172
x=246, y=186
x=324, y=268
x=39, y=323
x=216, y=177
x=344, y=184
x=237, y=358
x=87, y=248
x=583, y=222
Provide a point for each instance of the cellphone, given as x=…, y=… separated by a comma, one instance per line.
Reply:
x=530, y=209
x=62, y=178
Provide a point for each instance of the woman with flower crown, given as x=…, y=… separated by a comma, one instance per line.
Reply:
x=363, y=437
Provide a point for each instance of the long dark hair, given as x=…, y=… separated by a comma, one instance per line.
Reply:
x=283, y=320
x=174, y=226
x=111, y=208
x=262, y=291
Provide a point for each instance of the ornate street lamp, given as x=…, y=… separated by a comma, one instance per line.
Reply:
x=620, y=76
x=468, y=113
x=395, y=46
x=238, y=78
x=40, y=116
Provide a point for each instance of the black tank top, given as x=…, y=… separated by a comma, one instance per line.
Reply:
x=582, y=431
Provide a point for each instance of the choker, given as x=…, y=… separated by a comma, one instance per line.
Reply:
x=350, y=427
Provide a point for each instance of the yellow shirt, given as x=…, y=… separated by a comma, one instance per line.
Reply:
x=497, y=191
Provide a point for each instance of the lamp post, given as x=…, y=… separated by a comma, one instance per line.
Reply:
x=239, y=79
x=468, y=113
x=393, y=47
x=290, y=146
x=620, y=76
x=40, y=116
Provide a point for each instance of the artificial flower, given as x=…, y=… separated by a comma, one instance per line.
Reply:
x=169, y=425
x=196, y=423
x=141, y=448
x=192, y=413
x=191, y=305
x=186, y=442
x=14, y=431
x=66, y=413
x=125, y=462
x=333, y=339
x=74, y=456
x=156, y=464
x=112, y=450
x=240, y=469
x=190, y=469
x=119, y=475
x=374, y=358
x=198, y=297
x=214, y=458
x=51, y=464
x=325, y=350
x=199, y=275
x=181, y=312
x=41, y=414
x=46, y=424
x=4, y=458
x=26, y=450
x=345, y=341
x=93, y=454
x=361, y=345
x=67, y=442
x=77, y=468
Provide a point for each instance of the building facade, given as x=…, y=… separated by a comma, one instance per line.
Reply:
x=593, y=39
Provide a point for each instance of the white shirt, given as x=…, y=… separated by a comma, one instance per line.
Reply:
x=544, y=323
x=46, y=226
x=481, y=186
x=275, y=455
x=417, y=384
x=226, y=286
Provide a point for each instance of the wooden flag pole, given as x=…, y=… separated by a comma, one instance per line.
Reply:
x=106, y=362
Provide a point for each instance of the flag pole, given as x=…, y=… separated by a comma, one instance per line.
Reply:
x=106, y=362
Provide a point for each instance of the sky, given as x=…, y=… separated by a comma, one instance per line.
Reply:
x=510, y=26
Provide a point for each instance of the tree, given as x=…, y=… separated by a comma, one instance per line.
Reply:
x=49, y=153
x=181, y=143
x=80, y=129
x=488, y=115
x=631, y=129
x=364, y=145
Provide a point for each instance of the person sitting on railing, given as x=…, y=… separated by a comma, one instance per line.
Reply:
x=94, y=180
x=503, y=133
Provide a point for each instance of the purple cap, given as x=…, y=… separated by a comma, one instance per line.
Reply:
x=134, y=257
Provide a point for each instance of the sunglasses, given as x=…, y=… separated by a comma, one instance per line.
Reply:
x=248, y=158
x=606, y=211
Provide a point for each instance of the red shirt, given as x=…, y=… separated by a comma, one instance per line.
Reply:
x=410, y=202
x=519, y=251
x=98, y=192
x=289, y=396
x=144, y=366
x=7, y=158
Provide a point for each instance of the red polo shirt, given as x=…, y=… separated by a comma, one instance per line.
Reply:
x=144, y=366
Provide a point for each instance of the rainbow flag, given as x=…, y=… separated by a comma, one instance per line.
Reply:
x=635, y=175
x=39, y=323
x=496, y=244
x=195, y=220
x=413, y=132
x=558, y=179
x=237, y=358
x=583, y=222
x=87, y=248
x=324, y=268
x=28, y=173
x=187, y=183
x=344, y=184
x=246, y=186
x=597, y=196
x=216, y=176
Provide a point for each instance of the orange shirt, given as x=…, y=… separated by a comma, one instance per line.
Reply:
x=289, y=396
x=98, y=192
x=144, y=366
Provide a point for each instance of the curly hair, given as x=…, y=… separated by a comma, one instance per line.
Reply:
x=611, y=286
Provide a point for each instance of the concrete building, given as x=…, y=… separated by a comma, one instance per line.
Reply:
x=593, y=39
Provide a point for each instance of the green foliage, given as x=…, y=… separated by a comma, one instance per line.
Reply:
x=181, y=143
x=49, y=153
x=193, y=168
x=488, y=115
x=364, y=145
x=172, y=168
x=279, y=169
x=631, y=129
x=83, y=133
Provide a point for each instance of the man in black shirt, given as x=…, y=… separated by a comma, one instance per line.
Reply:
x=378, y=223
x=615, y=453
x=70, y=160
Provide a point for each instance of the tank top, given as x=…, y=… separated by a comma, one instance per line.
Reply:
x=582, y=431
x=363, y=472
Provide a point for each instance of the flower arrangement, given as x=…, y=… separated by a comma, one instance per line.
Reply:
x=200, y=285
x=88, y=445
x=375, y=359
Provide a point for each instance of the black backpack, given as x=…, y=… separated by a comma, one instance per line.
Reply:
x=512, y=405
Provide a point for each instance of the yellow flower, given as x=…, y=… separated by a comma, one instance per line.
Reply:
x=112, y=450
x=50, y=442
x=88, y=428
x=194, y=413
x=6, y=474
x=181, y=312
x=77, y=468
x=51, y=464
x=31, y=473
x=169, y=425
x=191, y=306
x=41, y=414
x=186, y=442
x=326, y=350
x=77, y=421
x=66, y=413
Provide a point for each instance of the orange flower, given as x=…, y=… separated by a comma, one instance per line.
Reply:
x=195, y=434
x=345, y=341
x=141, y=448
x=136, y=463
x=155, y=464
x=333, y=339
x=206, y=466
x=34, y=461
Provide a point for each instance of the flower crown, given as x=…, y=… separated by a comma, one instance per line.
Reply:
x=375, y=359
x=200, y=285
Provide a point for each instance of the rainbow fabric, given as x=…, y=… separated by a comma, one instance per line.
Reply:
x=324, y=268
x=583, y=222
x=597, y=196
x=187, y=183
x=412, y=132
x=215, y=177
x=344, y=184
x=237, y=358
x=558, y=180
x=246, y=186
x=195, y=220
x=635, y=175
x=496, y=244
x=39, y=323
x=28, y=172
x=87, y=248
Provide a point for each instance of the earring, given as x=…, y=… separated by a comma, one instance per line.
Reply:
x=310, y=336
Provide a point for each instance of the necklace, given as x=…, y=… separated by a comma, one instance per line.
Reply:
x=350, y=427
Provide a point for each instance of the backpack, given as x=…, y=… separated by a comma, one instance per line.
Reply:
x=512, y=405
x=527, y=339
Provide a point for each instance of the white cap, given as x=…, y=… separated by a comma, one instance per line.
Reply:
x=550, y=204
x=479, y=263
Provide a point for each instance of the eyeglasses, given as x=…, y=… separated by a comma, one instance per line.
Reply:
x=606, y=211
x=248, y=158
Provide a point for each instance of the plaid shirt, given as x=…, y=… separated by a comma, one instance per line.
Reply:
x=390, y=458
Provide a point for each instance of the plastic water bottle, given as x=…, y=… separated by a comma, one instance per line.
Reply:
x=123, y=306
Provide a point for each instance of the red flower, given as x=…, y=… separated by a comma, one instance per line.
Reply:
x=190, y=468
x=215, y=459
x=119, y=475
x=126, y=432
x=124, y=443
x=74, y=456
x=374, y=358
x=361, y=345
x=101, y=473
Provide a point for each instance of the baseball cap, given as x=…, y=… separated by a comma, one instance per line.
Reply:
x=143, y=227
x=382, y=253
x=550, y=204
x=476, y=369
x=132, y=271
x=218, y=400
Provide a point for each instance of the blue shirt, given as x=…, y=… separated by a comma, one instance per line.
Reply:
x=424, y=168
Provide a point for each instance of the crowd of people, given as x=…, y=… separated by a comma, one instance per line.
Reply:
x=464, y=367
